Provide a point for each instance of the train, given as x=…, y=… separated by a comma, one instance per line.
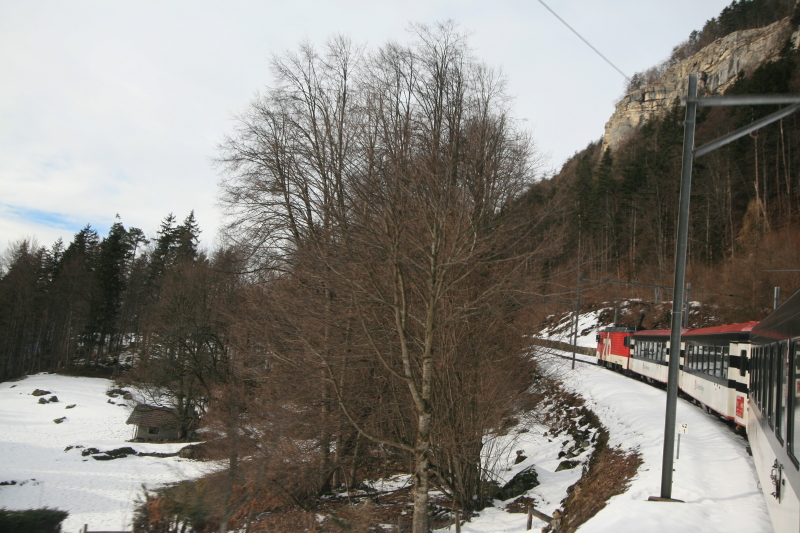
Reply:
x=746, y=373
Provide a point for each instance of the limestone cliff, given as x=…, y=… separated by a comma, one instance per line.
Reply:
x=717, y=66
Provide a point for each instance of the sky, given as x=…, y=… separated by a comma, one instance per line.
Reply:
x=118, y=108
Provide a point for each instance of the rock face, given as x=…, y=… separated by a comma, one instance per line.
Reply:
x=717, y=66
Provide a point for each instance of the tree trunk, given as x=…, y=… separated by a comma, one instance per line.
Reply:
x=421, y=521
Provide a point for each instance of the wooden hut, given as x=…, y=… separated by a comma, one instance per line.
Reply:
x=154, y=423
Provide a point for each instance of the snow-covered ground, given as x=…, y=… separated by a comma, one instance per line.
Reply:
x=714, y=475
x=33, y=453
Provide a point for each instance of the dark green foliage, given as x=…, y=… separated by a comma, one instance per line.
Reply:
x=624, y=205
x=747, y=14
x=84, y=302
x=739, y=15
x=109, y=281
x=32, y=521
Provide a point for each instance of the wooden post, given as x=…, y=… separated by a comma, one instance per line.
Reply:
x=529, y=523
x=85, y=527
x=458, y=522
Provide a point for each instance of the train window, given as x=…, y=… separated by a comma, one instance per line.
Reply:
x=780, y=402
x=794, y=405
x=764, y=378
x=725, y=361
x=770, y=379
x=717, y=355
x=711, y=360
x=743, y=363
x=754, y=389
x=783, y=390
x=758, y=378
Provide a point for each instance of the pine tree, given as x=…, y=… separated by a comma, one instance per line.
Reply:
x=188, y=237
x=110, y=278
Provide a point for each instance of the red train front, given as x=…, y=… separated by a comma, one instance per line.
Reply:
x=614, y=347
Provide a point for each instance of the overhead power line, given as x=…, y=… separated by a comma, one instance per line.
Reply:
x=584, y=40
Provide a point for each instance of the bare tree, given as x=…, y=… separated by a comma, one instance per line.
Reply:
x=383, y=195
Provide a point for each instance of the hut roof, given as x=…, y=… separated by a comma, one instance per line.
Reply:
x=159, y=417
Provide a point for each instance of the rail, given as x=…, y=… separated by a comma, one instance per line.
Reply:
x=85, y=529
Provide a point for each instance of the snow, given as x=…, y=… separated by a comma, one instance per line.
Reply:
x=714, y=475
x=101, y=494
x=562, y=331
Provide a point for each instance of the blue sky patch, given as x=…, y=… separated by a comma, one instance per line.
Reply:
x=53, y=219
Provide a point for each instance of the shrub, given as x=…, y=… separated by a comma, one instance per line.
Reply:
x=32, y=521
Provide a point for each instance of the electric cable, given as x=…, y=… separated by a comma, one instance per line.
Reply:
x=584, y=40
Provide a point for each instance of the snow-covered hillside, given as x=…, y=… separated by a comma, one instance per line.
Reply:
x=34, y=453
x=563, y=329
x=714, y=474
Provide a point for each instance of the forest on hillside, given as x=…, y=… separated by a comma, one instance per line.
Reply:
x=391, y=244
x=745, y=204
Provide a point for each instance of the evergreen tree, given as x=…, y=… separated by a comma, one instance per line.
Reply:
x=187, y=236
x=110, y=279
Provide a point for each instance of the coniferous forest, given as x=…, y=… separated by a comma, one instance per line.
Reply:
x=391, y=242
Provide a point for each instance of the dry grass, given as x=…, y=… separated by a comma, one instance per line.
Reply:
x=608, y=473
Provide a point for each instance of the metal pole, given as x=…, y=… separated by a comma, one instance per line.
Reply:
x=577, y=313
x=680, y=280
x=777, y=300
x=688, y=306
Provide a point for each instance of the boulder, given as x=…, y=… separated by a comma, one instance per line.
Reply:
x=59, y=420
x=40, y=392
x=192, y=451
x=521, y=483
x=567, y=465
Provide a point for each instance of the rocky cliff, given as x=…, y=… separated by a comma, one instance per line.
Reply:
x=717, y=65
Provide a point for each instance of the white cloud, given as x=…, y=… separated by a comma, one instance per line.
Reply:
x=117, y=107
